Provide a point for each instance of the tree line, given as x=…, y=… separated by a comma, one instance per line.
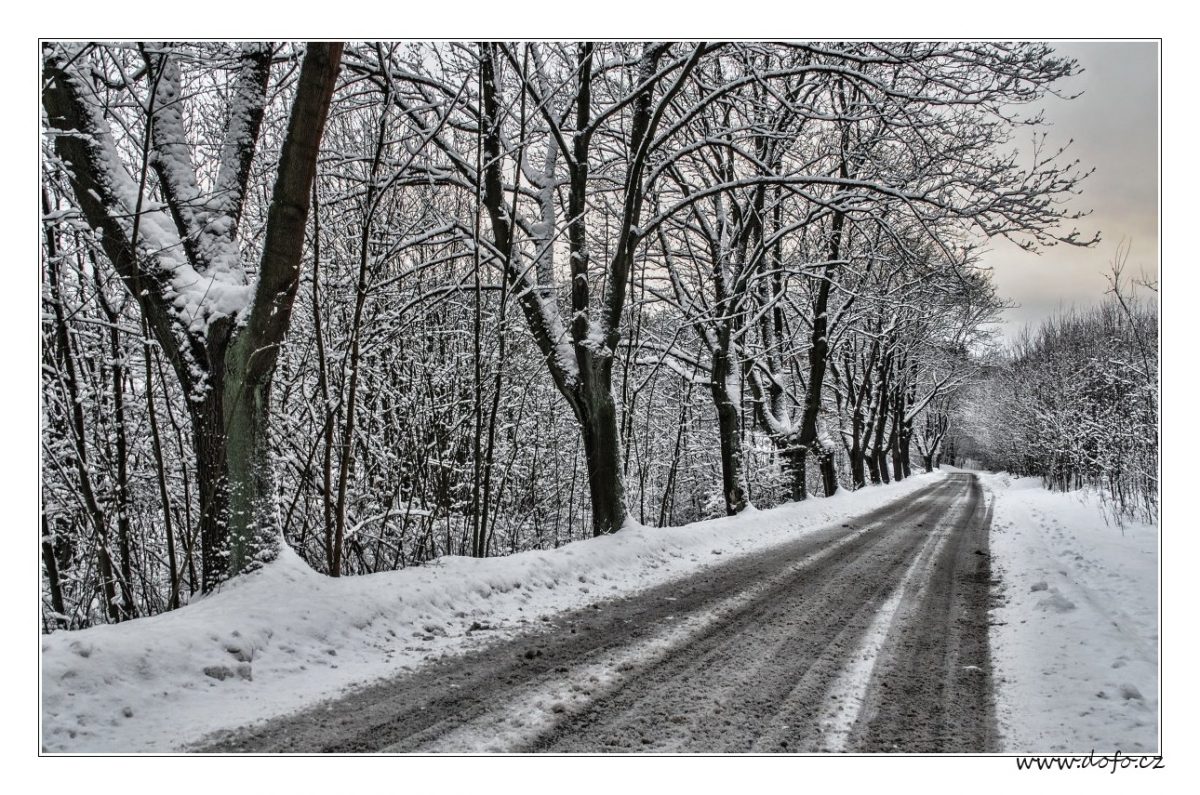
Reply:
x=1074, y=401
x=385, y=302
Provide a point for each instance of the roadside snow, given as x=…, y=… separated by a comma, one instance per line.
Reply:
x=284, y=637
x=1075, y=640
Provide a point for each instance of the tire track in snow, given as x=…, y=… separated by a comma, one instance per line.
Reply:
x=845, y=700
x=931, y=687
x=534, y=708
x=752, y=683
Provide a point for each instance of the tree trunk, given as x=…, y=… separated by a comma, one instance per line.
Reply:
x=730, y=432
x=239, y=520
x=895, y=439
x=160, y=472
x=856, y=453
x=208, y=442
x=327, y=403
x=897, y=463
x=828, y=473
x=254, y=531
x=728, y=422
x=861, y=426
x=906, y=428
x=121, y=445
x=597, y=414
x=872, y=463
x=905, y=449
x=666, y=510
x=52, y=578
x=796, y=464
x=818, y=359
x=818, y=354
x=858, y=474
x=879, y=448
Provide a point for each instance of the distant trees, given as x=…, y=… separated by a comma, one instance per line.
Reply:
x=806, y=187
x=404, y=300
x=1076, y=404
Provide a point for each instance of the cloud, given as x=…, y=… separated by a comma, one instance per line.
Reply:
x=1114, y=127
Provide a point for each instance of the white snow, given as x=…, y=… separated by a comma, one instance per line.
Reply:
x=283, y=637
x=1075, y=642
x=197, y=298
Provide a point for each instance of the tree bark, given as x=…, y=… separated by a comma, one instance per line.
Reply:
x=858, y=468
x=730, y=433
x=828, y=467
x=796, y=465
x=597, y=414
x=872, y=463
x=897, y=419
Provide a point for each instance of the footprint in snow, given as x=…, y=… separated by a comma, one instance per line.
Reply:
x=1056, y=602
x=1131, y=693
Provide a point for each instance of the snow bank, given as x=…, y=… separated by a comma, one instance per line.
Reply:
x=1075, y=640
x=285, y=636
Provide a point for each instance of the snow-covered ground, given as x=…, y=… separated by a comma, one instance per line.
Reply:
x=1075, y=640
x=283, y=637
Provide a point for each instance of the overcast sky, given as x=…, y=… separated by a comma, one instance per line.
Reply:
x=1115, y=128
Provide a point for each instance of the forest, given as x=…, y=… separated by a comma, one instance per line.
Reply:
x=386, y=302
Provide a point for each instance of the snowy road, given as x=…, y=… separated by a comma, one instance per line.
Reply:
x=868, y=637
